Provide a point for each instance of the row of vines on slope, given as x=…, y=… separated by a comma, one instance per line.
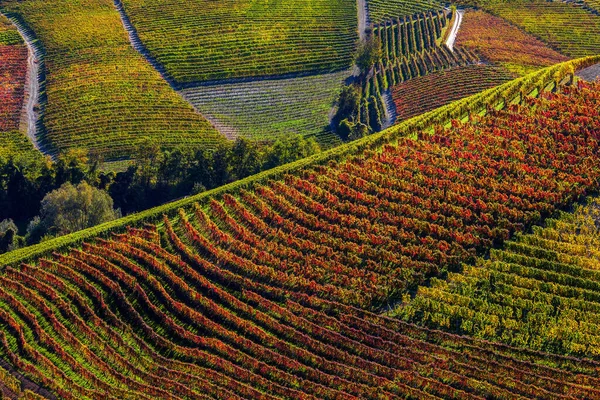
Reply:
x=100, y=94
x=410, y=48
x=207, y=40
x=429, y=92
x=565, y=26
x=539, y=291
x=252, y=294
x=13, y=72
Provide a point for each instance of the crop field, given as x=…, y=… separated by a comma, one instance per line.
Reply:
x=503, y=44
x=13, y=71
x=212, y=40
x=539, y=291
x=567, y=28
x=380, y=10
x=422, y=94
x=101, y=94
x=253, y=293
x=266, y=110
x=444, y=244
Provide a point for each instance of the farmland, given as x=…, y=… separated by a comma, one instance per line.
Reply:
x=440, y=241
x=253, y=292
x=568, y=28
x=538, y=291
x=422, y=94
x=204, y=40
x=503, y=44
x=380, y=10
x=13, y=70
x=266, y=110
x=92, y=73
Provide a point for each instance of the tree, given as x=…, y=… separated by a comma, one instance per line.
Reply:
x=368, y=54
x=347, y=106
x=72, y=208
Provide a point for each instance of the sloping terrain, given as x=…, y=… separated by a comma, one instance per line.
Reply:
x=565, y=26
x=212, y=40
x=422, y=94
x=266, y=110
x=250, y=293
x=380, y=10
x=539, y=291
x=13, y=73
x=100, y=94
x=504, y=44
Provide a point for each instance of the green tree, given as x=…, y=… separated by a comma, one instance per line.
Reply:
x=368, y=54
x=71, y=208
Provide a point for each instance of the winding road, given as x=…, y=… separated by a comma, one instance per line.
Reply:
x=590, y=73
x=454, y=32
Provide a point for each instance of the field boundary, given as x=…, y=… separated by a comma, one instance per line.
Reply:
x=501, y=95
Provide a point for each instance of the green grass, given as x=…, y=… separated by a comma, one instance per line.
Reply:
x=271, y=109
x=380, y=10
x=567, y=28
x=100, y=93
x=211, y=40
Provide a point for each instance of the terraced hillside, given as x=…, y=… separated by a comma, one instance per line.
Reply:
x=380, y=10
x=208, y=40
x=419, y=95
x=501, y=43
x=13, y=73
x=566, y=27
x=100, y=93
x=539, y=291
x=250, y=293
x=266, y=110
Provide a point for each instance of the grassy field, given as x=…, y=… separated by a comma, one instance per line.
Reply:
x=100, y=93
x=13, y=73
x=208, y=40
x=567, y=28
x=266, y=110
x=504, y=44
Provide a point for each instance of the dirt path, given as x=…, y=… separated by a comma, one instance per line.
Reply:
x=454, y=32
x=30, y=113
x=590, y=73
x=390, y=109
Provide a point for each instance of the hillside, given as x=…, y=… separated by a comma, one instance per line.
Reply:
x=539, y=291
x=84, y=42
x=199, y=41
x=13, y=73
x=299, y=199
x=250, y=292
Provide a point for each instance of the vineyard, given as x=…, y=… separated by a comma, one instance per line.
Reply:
x=422, y=94
x=501, y=43
x=539, y=291
x=380, y=10
x=13, y=70
x=566, y=27
x=253, y=293
x=203, y=40
x=266, y=110
x=101, y=94
x=445, y=244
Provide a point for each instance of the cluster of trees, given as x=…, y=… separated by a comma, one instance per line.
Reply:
x=353, y=118
x=41, y=199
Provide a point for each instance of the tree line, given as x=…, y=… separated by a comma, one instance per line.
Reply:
x=42, y=198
